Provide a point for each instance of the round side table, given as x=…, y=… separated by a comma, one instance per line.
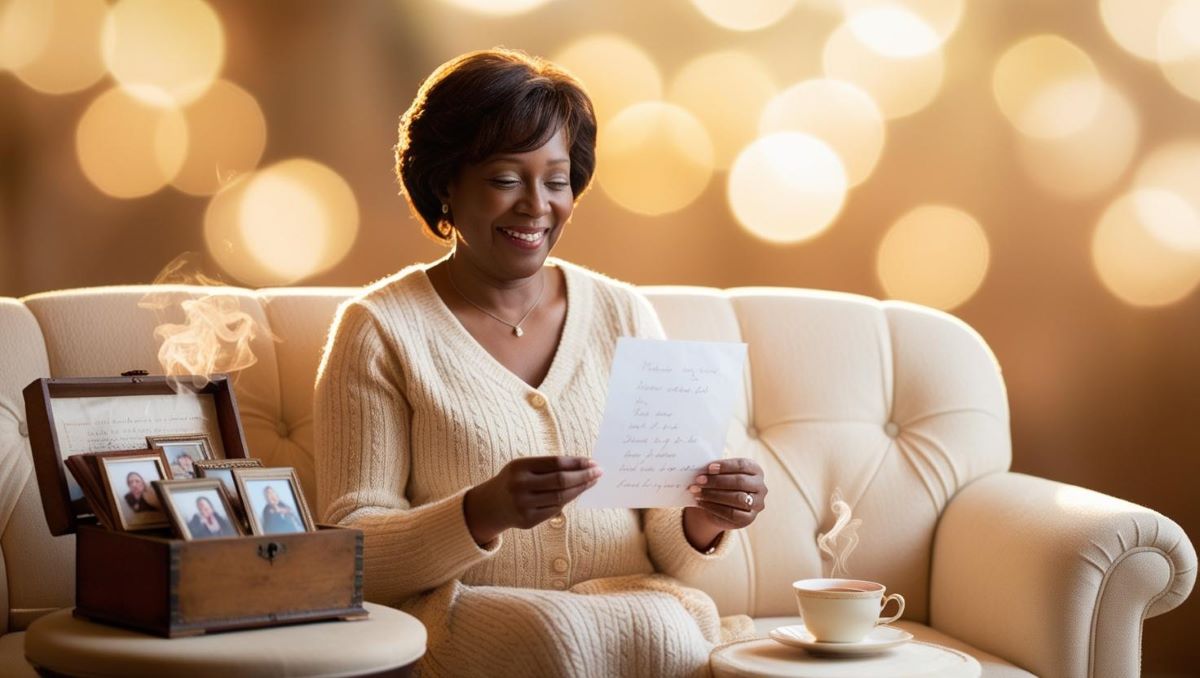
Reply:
x=386, y=643
x=766, y=658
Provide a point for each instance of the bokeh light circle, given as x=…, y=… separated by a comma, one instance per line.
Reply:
x=1135, y=264
x=943, y=16
x=836, y=112
x=1169, y=217
x=69, y=60
x=899, y=86
x=498, y=7
x=893, y=31
x=616, y=72
x=25, y=28
x=725, y=91
x=744, y=15
x=1047, y=87
x=654, y=158
x=934, y=255
x=1179, y=47
x=284, y=223
x=228, y=133
x=166, y=53
x=787, y=187
x=1134, y=24
x=128, y=148
x=1174, y=168
x=1090, y=160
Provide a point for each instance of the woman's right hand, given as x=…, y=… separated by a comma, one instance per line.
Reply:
x=526, y=492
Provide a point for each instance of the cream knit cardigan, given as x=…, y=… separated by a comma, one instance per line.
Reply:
x=411, y=412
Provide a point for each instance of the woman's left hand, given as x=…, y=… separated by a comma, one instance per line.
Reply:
x=729, y=495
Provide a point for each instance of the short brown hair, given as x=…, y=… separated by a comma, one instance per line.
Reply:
x=483, y=103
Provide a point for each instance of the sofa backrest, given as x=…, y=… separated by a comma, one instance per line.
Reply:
x=897, y=405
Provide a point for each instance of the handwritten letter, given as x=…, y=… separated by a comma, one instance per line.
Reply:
x=669, y=405
x=100, y=424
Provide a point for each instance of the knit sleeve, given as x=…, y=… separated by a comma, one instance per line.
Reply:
x=669, y=548
x=363, y=460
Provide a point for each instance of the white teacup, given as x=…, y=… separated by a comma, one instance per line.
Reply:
x=843, y=610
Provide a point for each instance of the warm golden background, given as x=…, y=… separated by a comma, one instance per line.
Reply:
x=1031, y=166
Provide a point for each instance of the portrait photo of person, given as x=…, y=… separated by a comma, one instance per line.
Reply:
x=183, y=460
x=200, y=509
x=208, y=521
x=273, y=501
x=222, y=469
x=132, y=498
x=182, y=452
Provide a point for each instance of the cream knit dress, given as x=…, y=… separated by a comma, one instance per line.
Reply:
x=411, y=412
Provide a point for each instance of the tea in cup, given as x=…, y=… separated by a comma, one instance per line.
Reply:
x=843, y=610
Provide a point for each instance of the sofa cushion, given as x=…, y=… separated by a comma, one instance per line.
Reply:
x=300, y=319
x=895, y=404
x=993, y=666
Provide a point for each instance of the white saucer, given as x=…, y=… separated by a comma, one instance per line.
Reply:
x=877, y=640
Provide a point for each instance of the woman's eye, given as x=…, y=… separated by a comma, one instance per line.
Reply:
x=505, y=183
x=559, y=185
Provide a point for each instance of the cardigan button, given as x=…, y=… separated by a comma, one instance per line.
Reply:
x=537, y=400
x=23, y=428
x=560, y=565
x=557, y=521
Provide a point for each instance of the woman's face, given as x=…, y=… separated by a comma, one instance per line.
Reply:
x=204, y=507
x=136, y=484
x=510, y=209
x=272, y=497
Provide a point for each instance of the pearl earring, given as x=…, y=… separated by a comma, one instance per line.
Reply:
x=445, y=208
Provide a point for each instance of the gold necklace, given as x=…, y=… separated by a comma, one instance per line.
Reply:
x=516, y=329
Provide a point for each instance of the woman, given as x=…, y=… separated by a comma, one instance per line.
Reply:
x=278, y=517
x=136, y=497
x=207, y=523
x=457, y=403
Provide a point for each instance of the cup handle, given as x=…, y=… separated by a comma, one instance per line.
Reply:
x=899, y=601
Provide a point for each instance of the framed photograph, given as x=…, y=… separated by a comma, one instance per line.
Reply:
x=199, y=509
x=273, y=501
x=127, y=478
x=222, y=469
x=182, y=452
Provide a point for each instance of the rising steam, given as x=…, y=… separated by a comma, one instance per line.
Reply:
x=839, y=542
x=216, y=334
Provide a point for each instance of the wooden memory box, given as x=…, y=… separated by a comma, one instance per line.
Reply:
x=149, y=580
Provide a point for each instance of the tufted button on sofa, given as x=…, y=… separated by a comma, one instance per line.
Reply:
x=901, y=408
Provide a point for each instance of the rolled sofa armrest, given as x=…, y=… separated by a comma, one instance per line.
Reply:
x=1055, y=578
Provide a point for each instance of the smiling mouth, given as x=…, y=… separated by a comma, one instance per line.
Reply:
x=524, y=237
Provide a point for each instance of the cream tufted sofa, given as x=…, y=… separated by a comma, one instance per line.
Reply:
x=901, y=407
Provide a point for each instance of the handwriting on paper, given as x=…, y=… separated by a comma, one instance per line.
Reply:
x=101, y=424
x=669, y=405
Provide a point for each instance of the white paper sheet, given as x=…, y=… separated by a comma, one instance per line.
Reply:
x=101, y=424
x=668, y=409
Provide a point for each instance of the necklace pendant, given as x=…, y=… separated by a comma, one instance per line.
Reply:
x=517, y=331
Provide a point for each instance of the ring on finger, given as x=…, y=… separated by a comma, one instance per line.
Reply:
x=748, y=499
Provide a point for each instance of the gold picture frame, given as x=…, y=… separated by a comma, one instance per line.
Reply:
x=140, y=508
x=287, y=514
x=182, y=500
x=182, y=451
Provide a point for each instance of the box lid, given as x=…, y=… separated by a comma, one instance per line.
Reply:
x=98, y=414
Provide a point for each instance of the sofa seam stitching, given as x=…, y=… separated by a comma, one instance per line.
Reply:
x=1100, y=597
